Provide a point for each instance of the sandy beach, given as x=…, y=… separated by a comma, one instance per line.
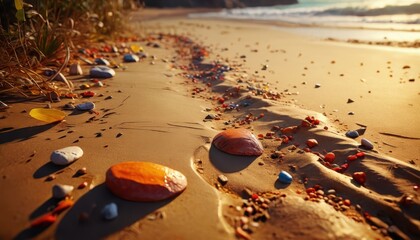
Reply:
x=203, y=76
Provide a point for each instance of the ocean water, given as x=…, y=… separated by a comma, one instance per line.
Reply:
x=401, y=16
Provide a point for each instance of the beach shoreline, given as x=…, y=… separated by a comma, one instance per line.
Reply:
x=167, y=109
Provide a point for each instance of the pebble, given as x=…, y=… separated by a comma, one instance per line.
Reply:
x=352, y=134
x=285, y=177
x=144, y=181
x=86, y=106
x=102, y=61
x=101, y=72
x=331, y=191
x=130, y=58
x=75, y=69
x=366, y=144
x=110, y=211
x=317, y=85
x=350, y=100
x=359, y=177
x=238, y=141
x=67, y=155
x=61, y=191
x=98, y=84
x=222, y=179
x=329, y=157
x=312, y=143
x=81, y=171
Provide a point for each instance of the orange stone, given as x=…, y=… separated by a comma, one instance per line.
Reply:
x=312, y=143
x=238, y=142
x=144, y=181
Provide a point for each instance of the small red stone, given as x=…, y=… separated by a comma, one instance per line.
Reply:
x=338, y=169
x=345, y=166
x=310, y=190
x=254, y=196
x=360, y=154
x=359, y=177
x=329, y=157
x=44, y=220
x=221, y=100
x=305, y=123
x=352, y=157
x=311, y=143
x=87, y=94
x=347, y=202
x=261, y=115
x=316, y=122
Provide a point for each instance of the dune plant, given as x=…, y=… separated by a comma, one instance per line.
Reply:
x=42, y=33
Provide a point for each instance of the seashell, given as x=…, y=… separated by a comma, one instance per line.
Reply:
x=352, y=134
x=101, y=72
x=285, y=177
x=67, y=155
x=366, y=144
x=110, y=211
x=75, y=69
x=238, y=142
x=130, y=58
x=86, y=106
x=61, y=191
x=102, y=61
x=312, y=143
x=144, y=181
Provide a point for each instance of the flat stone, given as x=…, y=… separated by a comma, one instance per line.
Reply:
x=130, y=58
x=67, y=155
x=102, y=61
x=366, y=144
x=110, y=211
x=101, y=72
x=61, y=191
x=144, y=181
x=86, y=106
x=75, y=70
x=285, y=177
x=238, y=142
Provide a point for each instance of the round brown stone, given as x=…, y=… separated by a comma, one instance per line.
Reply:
x=144, y=181
x=238, y=142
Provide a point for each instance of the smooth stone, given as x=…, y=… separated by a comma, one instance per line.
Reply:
x=102, y=61
x=110, y=211
x=367, y=144
x=75, y=69
x=67, y=155
x=285, y=177
x=101, y=72
x=131, y=58
x=86, y=106
x=144, y=181
x=238, y=142
x=352, y=134
x=61, y=191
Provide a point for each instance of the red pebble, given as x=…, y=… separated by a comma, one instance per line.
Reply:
x=345, y=166
x=221, y=100
x=305, y=123
x=82, y=185
x=44, y=220
x=310, y=190
x=254, y=196
x=347, y=202
x=88, y=94
x=338, y=169
x=329, y=157
x=261, y=115
x=360, y=154
x=312, y=143
x=352, y=157
x=359, y=177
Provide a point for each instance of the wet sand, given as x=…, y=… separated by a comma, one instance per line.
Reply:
x=159, y=106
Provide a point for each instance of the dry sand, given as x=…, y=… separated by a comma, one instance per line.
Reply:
x=160, y=113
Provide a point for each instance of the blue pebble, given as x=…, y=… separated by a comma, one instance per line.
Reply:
x=285, y=177
x=110, y=211
x=101, y=72
x=130, y=58
x=352, y=134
